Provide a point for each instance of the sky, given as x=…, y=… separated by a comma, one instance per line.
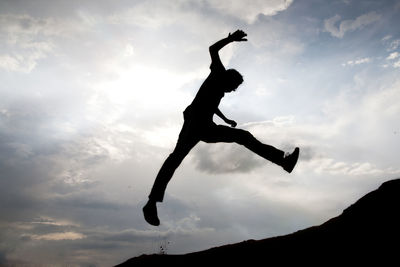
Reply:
x=91, y=102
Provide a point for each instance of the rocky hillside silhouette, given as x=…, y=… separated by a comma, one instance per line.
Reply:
x=367, y=232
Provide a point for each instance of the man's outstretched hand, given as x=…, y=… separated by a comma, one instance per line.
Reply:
x=237, y=36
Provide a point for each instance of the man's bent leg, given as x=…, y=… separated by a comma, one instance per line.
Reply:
x=266, y=151
x=221, y=133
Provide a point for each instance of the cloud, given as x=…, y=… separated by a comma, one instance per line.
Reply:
x=394, y=45
x=349, y=25
x=275, y=40
x=387, y=37
x=393, y=55
x=249, y=10
x=26, y=40
x=355, y=113
x=340, y=168
x=149, y=14
x=47, y=235
x=58, y=236
x=26, y=60
x=155, y=13
x=10, y=63
x=357, y=61
x=45, y=220
x=225, y=158
x=391, y=45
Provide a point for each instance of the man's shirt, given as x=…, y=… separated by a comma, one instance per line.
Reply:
x=207, y=99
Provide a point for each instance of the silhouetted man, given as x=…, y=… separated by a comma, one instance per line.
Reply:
x=199, y=126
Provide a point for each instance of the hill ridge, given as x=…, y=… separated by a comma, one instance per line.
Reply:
x=365, y=232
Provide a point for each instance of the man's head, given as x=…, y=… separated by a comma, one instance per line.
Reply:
x=232, y=80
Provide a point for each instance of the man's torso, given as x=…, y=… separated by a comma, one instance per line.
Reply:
x=207, y=99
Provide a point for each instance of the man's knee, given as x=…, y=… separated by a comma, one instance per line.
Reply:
x=175, y=158
x=244, y=137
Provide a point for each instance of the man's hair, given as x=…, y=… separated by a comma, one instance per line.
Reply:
x=234, y=77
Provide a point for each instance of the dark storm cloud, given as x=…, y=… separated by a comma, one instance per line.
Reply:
x=83, y=201
x=38, y=159
x=132, y=235
x=59, y=8
x=225, y=158
x=2, y=258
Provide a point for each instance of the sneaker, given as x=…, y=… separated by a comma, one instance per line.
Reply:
x=290, y=161
x=150, y=213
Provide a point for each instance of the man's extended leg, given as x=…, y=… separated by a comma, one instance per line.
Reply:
x=168, y=168
x=165, y=174
x=221, y=133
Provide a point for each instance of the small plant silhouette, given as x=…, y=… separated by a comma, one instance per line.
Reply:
x=164, y=247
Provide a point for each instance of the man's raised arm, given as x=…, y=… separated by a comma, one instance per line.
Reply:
x=237, y=36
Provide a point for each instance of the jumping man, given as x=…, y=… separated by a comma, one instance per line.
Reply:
x=199, y=126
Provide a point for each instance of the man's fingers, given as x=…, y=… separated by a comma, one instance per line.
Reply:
x=238, y=36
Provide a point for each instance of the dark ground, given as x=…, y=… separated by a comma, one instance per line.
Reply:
x=367, y=232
